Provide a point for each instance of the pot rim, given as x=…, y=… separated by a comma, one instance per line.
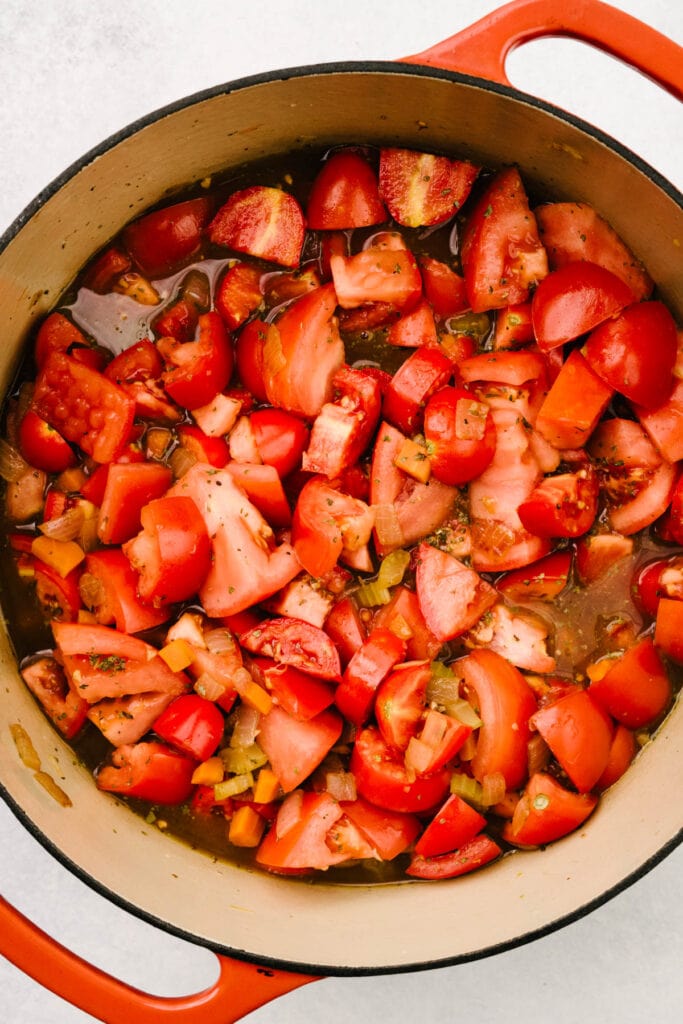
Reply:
x=108, y=143
x=331, y=67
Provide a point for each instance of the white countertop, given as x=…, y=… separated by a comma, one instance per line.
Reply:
x=72, y=73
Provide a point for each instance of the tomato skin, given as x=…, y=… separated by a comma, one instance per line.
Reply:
x=579, y=733
x=381, y=777
x=280, y=438
x=192, y=725
x=506, y=704
x=421, y=189
x=164, y=239
x=452, y=596
x=249, y=348
x=456, y=459
x=42, y=446
x=400, y=702
x=129, y=487
x=120, y=603
x=669, y=628
x=138, y=362
x=622, y=752
x=83, y=406
x=637, y=689
x=635, y=353
x=66, y=708
x=562, y=506
x=473, y=854
x=263, y=222
x=546, y=812
x=295, y=748
x=199, y=369
x=453, y=825
x=364, y=673
x=502, y=254
x=345, y=194
x=297, y=643
x=58, y=596
x=541, y=581
x=404, y=604
x=149, y=771
x=239, y=294
x=213, y=450
x=423, y=373
x=172, y=553
x=299, y=694
x=573, y=300
x=57, y=334
x=388, y=276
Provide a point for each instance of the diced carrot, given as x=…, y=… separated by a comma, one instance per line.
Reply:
x=574, y=404
x=267, y=786
x=60, y=555
x=413, y=460
x=178, y=654
x=251, y=693
x=246, y=827
x=209, y=772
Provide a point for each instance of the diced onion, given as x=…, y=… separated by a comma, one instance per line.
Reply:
x=65, y=527
x=219, y=641
x=209, y=687
x=12, y=464
x=341, y=785
x=181, y=460
x=91, y=589
x=387, y=527
x=27, y=752
x=492, y=789
x=246, y=726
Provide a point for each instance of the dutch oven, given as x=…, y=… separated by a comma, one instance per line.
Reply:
x=272, y=934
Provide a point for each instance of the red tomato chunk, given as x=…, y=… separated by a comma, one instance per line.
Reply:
x=365, y=545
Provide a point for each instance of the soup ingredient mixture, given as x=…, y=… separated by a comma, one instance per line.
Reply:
x=344, y=514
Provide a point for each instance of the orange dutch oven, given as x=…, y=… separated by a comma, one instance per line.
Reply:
x=271, y=934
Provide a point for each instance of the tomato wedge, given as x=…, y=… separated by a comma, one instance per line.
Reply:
x=110, y=589
x=294, y=642
x=452, y=596
x=573, y=300
x=579, y=733
x=345, y=194
x=295, y=748
x=382, y=777
x=460, y=434
x=546, y=812
x=261, y=221
x=150, y=771
x=400, y=703
x=165, y=239
x=199, y=369
x=371, y=664
x=192, y=725
x=636, y=689
x=562, y=506
x=62, y=704
x=421, y=189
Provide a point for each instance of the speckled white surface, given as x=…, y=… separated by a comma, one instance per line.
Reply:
x=72, y=72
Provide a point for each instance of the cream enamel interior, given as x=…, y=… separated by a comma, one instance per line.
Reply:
x=327, y=927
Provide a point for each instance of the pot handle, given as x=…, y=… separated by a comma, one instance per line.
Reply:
x=482, y=49
x=240, y=988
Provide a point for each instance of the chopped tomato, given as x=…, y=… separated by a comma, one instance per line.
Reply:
x=42, y=446
x=422, y=189
x=403, y=613
x=281, y=439
x=295, y=842
x=294, y=642
x=83, y=406
x=172, y=553
x=669, y=628
x=108, y=267
x=452, y=596
x=249, y=355
x=150, y=771
x=541, y=581
x=343, y=427
x=573, y=300
x=502, y=254
x=295, y=748
x=547, y=811
x=261, y=221
x=460, y=435
x=662, y=577
x=437, y=743
x=345, y=194
x=505, y=703
x=635, y=353
x=622, y=751
x=129, y=487
x=513, y=327
x=57, y=334
x=574, y=404
x=371, y=664
x=161, y=241
x=562, y=506
x=305, y=336
x=192, y=725
x=415, y=328
x=579, y=733
x=46, y=680
x=474, y=854
x=213, y=450
x=383, y=780
x=300, y=694
x=664, y=425
x=453, y=825
x=377, y=275
x=444, y=288
x=86, y=639
x=423, y=373
x=575, y=231
x=199, y=370
x=264, y=488
x=390, y=833
x=326, y=523
x=400, y=703
x=596, y=554
x=239, y=294
x=636, y=689
x=110, y=589
x=58, y=595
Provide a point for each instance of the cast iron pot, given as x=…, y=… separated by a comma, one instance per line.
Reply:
x=452, y=97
